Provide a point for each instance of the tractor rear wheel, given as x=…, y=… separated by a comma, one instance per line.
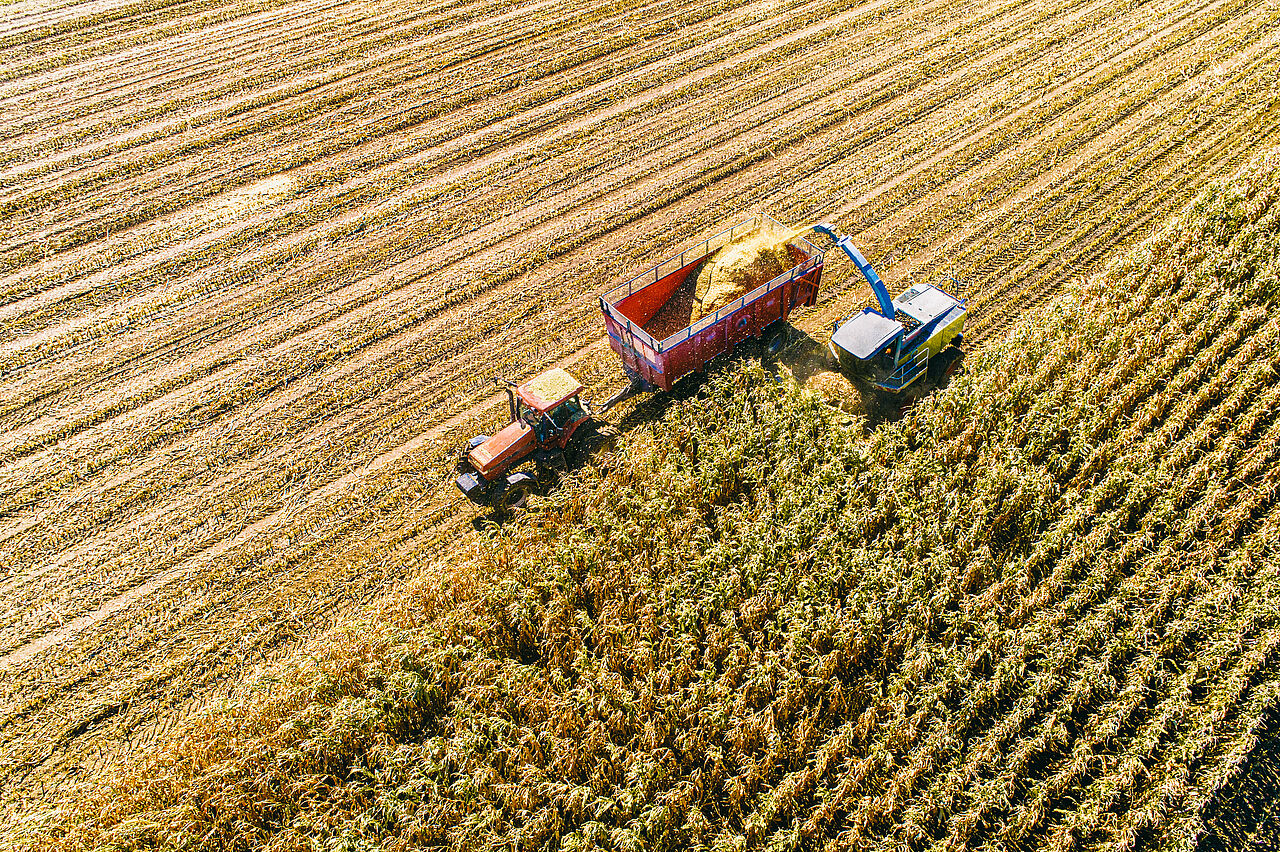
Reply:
x=599, y=438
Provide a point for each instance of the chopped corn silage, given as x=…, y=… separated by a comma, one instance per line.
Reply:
x=741, y=266
x=837, y=391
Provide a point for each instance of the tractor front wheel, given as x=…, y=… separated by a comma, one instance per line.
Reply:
x=516, y=491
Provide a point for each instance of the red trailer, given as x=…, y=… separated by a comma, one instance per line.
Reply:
x=546, y=413
x=658, y=363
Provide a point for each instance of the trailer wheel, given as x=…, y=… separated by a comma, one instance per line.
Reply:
x=516, y=491
x=775, y=343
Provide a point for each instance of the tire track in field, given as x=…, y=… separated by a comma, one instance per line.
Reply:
x=97, y=11
x=475, y=38
x=114, y=68
x=169, y=143
x=118, y=102
x=256, y=61
x=102, y=58
x=232, y=125
x=63, y=163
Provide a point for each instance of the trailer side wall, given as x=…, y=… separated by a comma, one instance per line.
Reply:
x=660, y=364
x=642, y=305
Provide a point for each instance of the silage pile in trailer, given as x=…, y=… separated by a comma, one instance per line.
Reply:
x=739, y=267
x=732, y=271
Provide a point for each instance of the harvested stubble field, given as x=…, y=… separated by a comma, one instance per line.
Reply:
x=258, y=261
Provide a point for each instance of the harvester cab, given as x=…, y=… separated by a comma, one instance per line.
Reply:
x=891, y=347
x=547, y=414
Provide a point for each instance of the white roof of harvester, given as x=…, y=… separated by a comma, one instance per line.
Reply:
x=924, y=303
x=866, y=334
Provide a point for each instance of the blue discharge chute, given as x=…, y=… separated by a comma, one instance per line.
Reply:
x=845, y=244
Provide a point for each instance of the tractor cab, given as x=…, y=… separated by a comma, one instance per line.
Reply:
x=546, y=412
x=549, y=404
x=892, y=354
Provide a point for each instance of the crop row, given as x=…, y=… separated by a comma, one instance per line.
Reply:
x=200, y=391
x=46, y=477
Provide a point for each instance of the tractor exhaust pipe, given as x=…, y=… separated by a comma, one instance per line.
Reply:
x=511, y=394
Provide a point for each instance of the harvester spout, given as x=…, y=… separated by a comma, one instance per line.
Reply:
x=827, y=230
x=845, y=244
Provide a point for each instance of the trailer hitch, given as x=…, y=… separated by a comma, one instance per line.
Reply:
x=633, y=387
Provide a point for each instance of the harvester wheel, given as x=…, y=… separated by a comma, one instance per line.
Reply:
x=516, y=491
x=945, y=365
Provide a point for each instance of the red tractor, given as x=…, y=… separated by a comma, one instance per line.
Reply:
x=549, y=425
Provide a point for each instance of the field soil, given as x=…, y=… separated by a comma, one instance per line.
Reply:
x=259, y=262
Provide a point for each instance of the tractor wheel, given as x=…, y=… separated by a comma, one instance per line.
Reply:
x=516, y=491
x=551, y=460
x=602, y=439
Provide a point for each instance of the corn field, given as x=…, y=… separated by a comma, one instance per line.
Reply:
x=1039, y=612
